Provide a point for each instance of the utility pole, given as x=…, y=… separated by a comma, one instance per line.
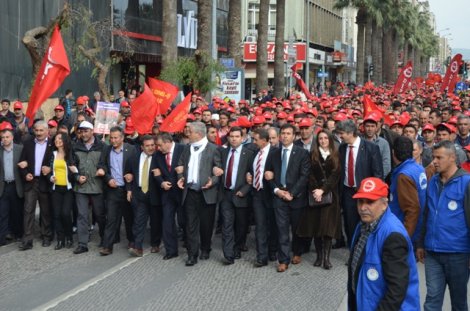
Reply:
x=307, y=62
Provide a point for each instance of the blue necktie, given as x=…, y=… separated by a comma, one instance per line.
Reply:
x=284, y=167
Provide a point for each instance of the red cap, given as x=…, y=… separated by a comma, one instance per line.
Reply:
x=52, y=123
x=231, y=109
x=5, y=126
x=290, y=118
x=197, y=111
x=17, y=105
x=373, y=116
x=242, y=122
x=372, y=188
x=190, y=117
x=267, y=115
x=312, y=111
x=305, y=122
x=80, y=100
x=356, y=112
x=298, y=111
x=124, y=104
x=428, y=127
x=86, y=98
x=281, y=115
x=259, y=120
x=340, y=117
x=59, y=107
x=453, y=120
x=448, y=126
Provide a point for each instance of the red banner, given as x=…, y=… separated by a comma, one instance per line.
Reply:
x=144, y=109
x=300, y=82
x=452, y=73
x=54, y=68
x=404, y=79
x=176, y=120
x=164, y=93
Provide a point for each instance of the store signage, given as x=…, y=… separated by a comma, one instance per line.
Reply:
x=187, y=30
x=249, y=51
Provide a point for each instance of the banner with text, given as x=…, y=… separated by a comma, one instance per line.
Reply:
x=229, y=84
x=107, y=115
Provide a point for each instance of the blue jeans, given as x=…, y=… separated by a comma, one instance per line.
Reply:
x=443, y=269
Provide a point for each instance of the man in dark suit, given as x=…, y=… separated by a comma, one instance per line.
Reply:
x=143, y=196
x=166, y=160
x=359, y=159
x=262, y=201
x=200, y=187
x=115, y=170
x=34, y=159
x=236, y=161
x=11, y=187
x=290, y=167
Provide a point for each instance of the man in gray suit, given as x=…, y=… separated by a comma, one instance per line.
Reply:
x=11, y=187
x=200, y=185
x=234, y=204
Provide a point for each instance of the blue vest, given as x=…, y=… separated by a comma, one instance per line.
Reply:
x=371, y=285
x=446, y=226
x=415, y=172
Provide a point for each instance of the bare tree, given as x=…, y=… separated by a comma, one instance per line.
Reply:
x=262, y=43
x=279, y=49
x=204, y=34
x=169, y=36
x=234, y=31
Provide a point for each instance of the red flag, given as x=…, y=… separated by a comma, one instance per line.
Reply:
x=300, y=82
x=144, y=109
x=404, y=79
x=164, y=92
x=370, y=106
x=176, y=120
x=54, y=68
x=388, y=119
x=451, y=77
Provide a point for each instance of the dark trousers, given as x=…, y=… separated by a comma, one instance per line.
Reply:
x=286, y=217
x=62, y=202
x=234, y=225
x=116, y=201
x=10, y=212
x=350, y=215
x=265, y=226
x=31, y=197
x=170, y=234
x=143, y=210
x=199, y=223
x=83, y=223
x=127, y=213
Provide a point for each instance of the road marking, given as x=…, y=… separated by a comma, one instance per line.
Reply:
x=84, y=286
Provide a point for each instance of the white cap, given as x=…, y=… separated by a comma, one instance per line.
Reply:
x=85, y=125
x=215, y=116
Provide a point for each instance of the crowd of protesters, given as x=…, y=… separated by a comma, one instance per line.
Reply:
x=293, y=168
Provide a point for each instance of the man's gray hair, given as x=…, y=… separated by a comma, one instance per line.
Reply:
x=446, y=144
x=347, y=126
x=198, y=127
x=41, y=123
x=462, y=117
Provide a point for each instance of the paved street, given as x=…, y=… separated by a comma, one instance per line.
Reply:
x=44, y=279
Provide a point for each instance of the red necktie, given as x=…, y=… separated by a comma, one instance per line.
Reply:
x=351, y=167
x=168, y=161
x=258, y=170
x=228, y=178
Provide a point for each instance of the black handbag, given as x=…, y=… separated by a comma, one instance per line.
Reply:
x=326, y=198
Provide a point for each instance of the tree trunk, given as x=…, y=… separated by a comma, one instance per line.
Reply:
x=234, y=31
x=368, y=46
x=387, y=47
x=361, y=22
x=169, y=35
x=405, y=52
x=279, y=50
x=102, y=69
x=377, y=33
x=417, y=67
x=394, y=56
x=262, y=51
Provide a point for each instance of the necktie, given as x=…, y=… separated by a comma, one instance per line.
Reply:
x=258, y=170
x=351, y=167
x=168, y=161
x=284, y=167
x=228, y=177
x=196, y=148
x=145, y=175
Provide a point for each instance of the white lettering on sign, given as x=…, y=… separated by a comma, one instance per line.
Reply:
x=187, y=30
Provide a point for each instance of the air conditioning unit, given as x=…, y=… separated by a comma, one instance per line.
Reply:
x=250, y=39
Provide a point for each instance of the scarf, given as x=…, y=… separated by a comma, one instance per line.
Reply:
x=193, y=166
x=324, y=153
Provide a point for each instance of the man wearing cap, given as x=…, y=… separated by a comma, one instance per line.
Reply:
x=11, y=186
x=60, y=118
x=89, y=186
x=444, y=247
x=81, y=106
x=370, y=123
x=6, y=114
x=446, y=131
x=359, y=159
x=67, y=102
x=382, y=273
x=36, y=153
x=408, y=187
x=22, y=128
x=307, y=139
x=463, y=127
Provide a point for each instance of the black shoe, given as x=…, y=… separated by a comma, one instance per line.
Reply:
x=69, y=243
x=26, y=245
x=237, y=255
x=260, y=263
x=60, y=245
x=166, y=257
x=272, y=257
x=46, y=243
x=228, y=261
x=204, y=255
x=191, y=261
x=80, y=249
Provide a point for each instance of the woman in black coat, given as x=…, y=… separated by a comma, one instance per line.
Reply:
x=321, y=222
